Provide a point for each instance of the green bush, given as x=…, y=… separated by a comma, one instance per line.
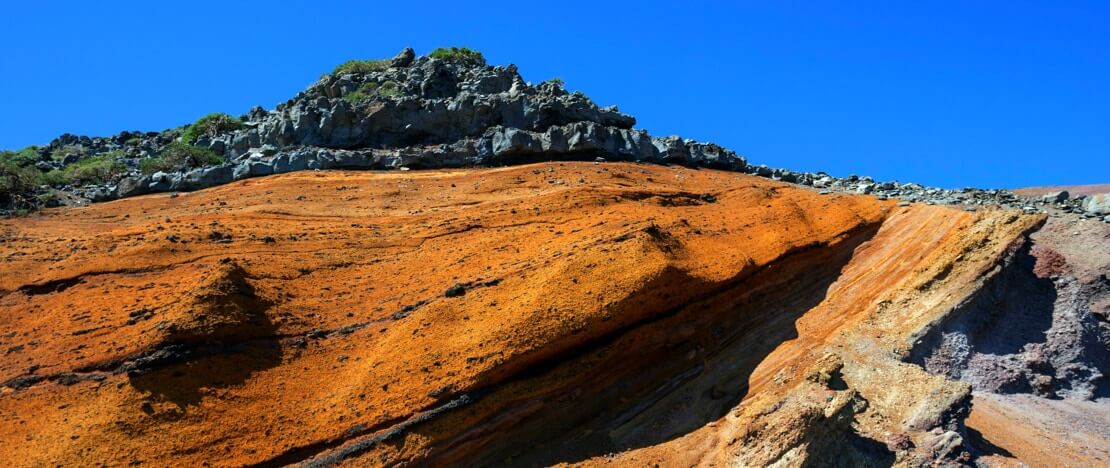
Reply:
x=370, y=89
x=24, y=157
x=360, y=67
x=66, y=151
x=459, y=54
x=17, y=181
x=364, y=92
x=178, y=156
x=54, y=178
x=210, y=125
x=98, y=169
x=389, y=88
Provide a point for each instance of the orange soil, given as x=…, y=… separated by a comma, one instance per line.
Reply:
x=316, y=306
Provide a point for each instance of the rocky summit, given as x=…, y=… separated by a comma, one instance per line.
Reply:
x=446, y=110
x=516, y=276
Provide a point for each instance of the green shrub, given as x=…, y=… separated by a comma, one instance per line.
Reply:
x=210, y=125
x=98, y=169
x=364, y=92
x=66, y=151
x=389, y=88
x=360, y=67
x=17, y=181
x=178, y=156
x=54, y=178
x=459, y=54
x=133, y=141
x=43, y=199
x=24, y=157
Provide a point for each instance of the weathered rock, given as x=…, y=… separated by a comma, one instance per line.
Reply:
x=403, y=59
x=1055, y=197
x=1097, y=204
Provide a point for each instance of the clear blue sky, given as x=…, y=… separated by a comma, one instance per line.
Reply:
x=990, y=94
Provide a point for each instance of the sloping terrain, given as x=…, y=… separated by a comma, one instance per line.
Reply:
x=532, y=315
x=1074, y=190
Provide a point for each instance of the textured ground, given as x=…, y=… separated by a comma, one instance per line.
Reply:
x=541, y=314
x=1073, y=190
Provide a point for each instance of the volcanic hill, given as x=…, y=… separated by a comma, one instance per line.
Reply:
x=544, y=285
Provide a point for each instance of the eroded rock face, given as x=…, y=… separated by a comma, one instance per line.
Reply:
x=558, y=312
x=1040, y=324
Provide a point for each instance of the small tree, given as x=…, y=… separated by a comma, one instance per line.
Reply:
x=16, y=183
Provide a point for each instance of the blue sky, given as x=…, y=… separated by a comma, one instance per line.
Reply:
x=988, y=94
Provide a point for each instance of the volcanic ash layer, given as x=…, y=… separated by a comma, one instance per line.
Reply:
x=531, y=315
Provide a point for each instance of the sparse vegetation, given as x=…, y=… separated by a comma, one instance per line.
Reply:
x=459, y=54
x=370, y=89
x=360, y=67
x=210, y=125
x=98, y=169
x=54, y=178
x=180, y=156
x=389, y=88
x=365, y=91
x=24, y=157
x=64, y=152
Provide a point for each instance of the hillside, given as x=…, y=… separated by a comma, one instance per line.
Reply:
x=515, y=276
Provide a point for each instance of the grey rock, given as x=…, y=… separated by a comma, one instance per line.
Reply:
x=1055, y=197
x=403, y=59
x=1097, y=204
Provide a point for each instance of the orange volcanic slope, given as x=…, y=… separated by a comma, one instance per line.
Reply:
x=528, y=315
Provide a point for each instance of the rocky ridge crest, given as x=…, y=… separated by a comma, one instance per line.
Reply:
x=424, y=112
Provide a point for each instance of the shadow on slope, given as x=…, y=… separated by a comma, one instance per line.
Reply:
x=1028, y=330
x=221, y=339
x=663, y=379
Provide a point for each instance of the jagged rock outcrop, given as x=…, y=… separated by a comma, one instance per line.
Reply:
x=421, y=112
x=441, y=114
